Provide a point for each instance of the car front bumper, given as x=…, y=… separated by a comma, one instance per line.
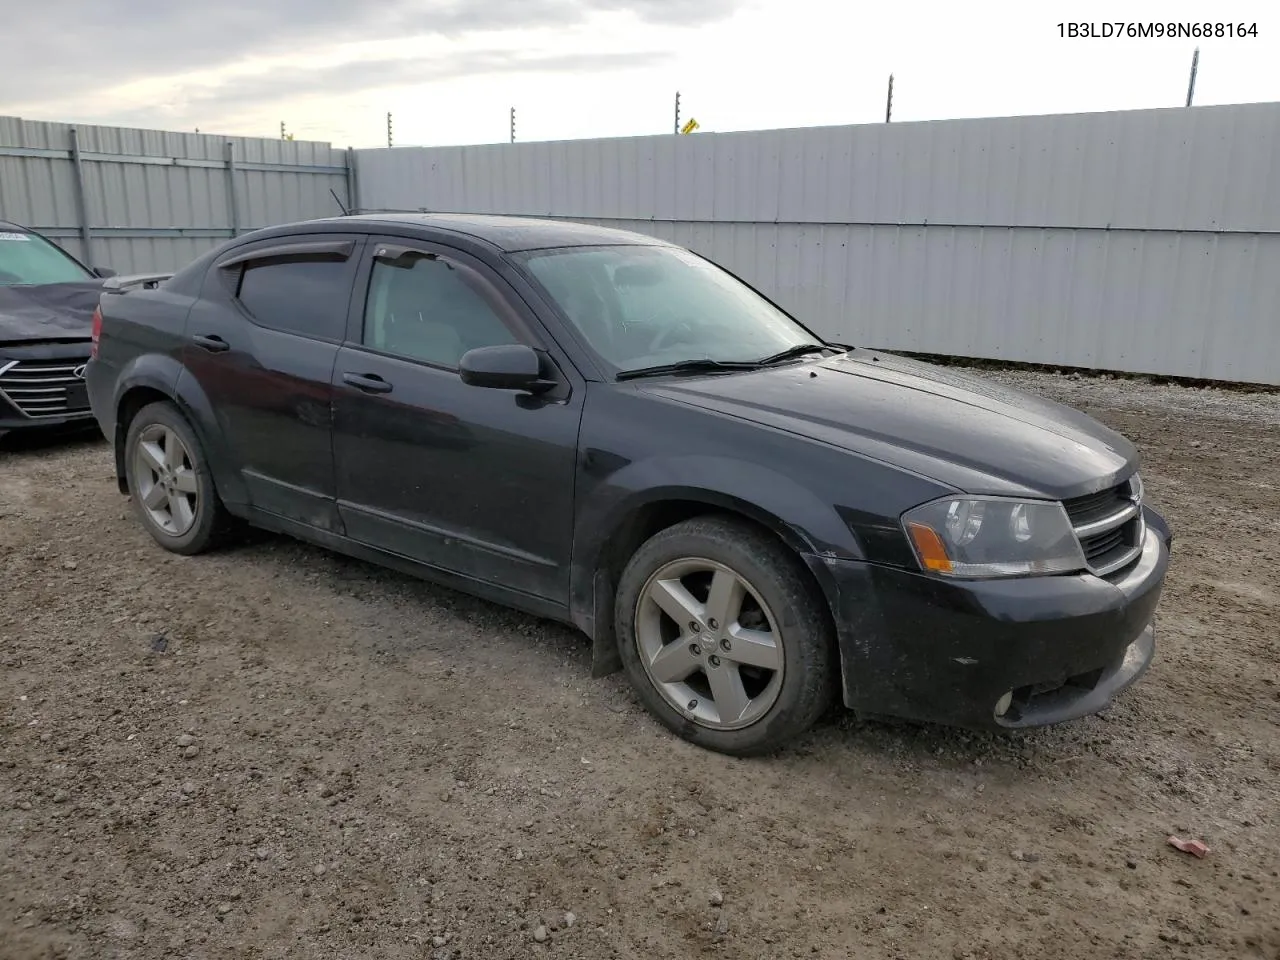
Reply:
x=925, y=648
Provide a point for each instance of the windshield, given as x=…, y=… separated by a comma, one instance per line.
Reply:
x=640, y=307
x=27, y=258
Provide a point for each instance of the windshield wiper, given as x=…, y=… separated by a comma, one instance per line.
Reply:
x=706, y=365
x=792, y=352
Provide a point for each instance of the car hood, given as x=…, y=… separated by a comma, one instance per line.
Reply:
x=956, y=428
x=50, y=311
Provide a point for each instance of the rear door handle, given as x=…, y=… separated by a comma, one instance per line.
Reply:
x=212, y=343
x=368, y=382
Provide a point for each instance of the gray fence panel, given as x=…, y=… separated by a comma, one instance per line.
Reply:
x=1206, y=168
x=1142, y=241
x=157, y=199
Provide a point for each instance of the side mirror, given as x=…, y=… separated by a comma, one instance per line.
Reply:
x=507, y=367
x=104, y=273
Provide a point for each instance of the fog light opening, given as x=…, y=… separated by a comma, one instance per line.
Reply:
x=1004, y=703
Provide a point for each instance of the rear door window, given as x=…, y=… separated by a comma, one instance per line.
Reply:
x=303, y=295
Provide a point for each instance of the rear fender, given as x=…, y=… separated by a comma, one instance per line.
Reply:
x=167, y=376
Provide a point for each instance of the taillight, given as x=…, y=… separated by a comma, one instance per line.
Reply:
x=97, y=331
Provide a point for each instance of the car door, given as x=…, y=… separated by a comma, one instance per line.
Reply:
x=262, y=343
x=471, y=480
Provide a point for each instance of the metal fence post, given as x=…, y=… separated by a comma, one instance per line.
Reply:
x=1191, y=84
x=233, y=206
x=353, y=182
x=82, y=206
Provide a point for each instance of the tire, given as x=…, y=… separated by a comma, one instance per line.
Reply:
x=162, y=477
x=785, y=672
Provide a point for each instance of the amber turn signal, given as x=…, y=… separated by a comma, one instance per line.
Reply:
x=933, y=555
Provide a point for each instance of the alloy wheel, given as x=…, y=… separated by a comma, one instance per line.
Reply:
x=709, y=643
x=166, y=479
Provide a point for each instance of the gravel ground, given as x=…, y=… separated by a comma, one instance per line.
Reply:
x=272, y=752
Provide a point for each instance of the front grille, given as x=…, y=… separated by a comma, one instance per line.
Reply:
x=44, y=388
x=1109, y=526
x=1095, y=506
x=1101, y=545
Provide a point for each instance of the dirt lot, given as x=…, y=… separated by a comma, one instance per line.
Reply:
x=275, y=752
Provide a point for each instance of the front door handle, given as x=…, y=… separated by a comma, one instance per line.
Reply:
x=368, y=382
x=212, y=343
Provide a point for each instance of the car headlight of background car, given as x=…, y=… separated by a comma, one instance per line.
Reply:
x=993, y=537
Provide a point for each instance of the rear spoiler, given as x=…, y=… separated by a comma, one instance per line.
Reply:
x=147, y=281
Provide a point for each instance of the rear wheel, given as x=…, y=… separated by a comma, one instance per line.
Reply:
x=725, y=637
x=170, y=482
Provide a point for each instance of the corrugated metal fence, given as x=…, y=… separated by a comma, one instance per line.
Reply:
x=138, y=200
x=1144, y=241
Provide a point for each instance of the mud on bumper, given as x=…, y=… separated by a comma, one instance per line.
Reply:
x=996, y=654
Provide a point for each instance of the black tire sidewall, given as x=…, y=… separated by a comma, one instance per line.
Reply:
x=203, y=531
x=775, y=574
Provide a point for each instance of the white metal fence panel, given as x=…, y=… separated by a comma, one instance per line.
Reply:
x=1144, y=241
x=154, y=200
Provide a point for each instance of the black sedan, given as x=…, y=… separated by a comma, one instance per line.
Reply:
x=611, y=431
x=47, y=298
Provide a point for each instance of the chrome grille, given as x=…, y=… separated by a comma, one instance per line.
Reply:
x=1109, y=526
x=44, y=388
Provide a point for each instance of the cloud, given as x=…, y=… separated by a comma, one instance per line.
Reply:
x=58, y=49
x=212, y=102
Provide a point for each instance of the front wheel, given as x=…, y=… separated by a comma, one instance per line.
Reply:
x=725, y=637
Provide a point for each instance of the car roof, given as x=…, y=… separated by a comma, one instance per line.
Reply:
x=14, y=227
x=507, y=233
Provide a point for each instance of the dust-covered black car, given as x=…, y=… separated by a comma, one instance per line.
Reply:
x=612, y=431
x=47, y=299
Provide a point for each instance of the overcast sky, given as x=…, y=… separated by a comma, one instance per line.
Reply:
x=449, y=70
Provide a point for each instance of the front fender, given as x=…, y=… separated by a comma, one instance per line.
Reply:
x=793, y=512
x=787, y=507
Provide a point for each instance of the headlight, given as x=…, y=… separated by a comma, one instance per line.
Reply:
x=993, y=537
